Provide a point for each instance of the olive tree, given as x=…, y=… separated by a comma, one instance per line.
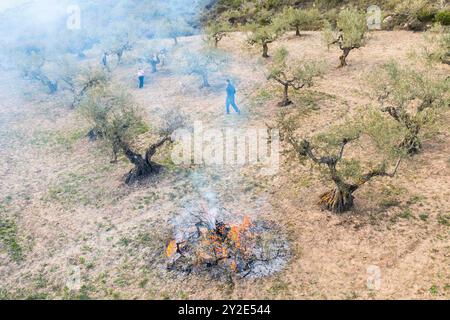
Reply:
x=411, y=98
x=301, y=19
x=349, y=33
x=120, y=121
x=293, y=74
x=263, y=35
x=204, y=63
x=116, y=45
x=216, y=31
x=348, y=173
x=34, y=65
x=437, y=44
x=173, y=28
x=414, y=14
x=83, y=81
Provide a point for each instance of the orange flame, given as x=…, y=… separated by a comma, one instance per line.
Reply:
x=171, y=248
x=233, y=266
x=237, y=231
x=246, y=223
x=227, y=242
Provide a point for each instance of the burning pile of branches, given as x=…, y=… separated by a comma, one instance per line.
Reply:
x=246, y=249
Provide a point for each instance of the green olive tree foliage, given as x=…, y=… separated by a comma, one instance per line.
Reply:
x=79, y=80
x=437, y=47
x=349, y=34
x=414, y=14
x=348, y=173
x=263, y=35
x=216, y=31
x=301, y=19
x=411, y=98
x=173, y=28
x=34, y=65
x=117, y=45
x=203, y=63
x=87, y=80
x=114, y=114
x=292, y=73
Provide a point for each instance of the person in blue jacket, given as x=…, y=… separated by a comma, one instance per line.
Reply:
x=231, y=98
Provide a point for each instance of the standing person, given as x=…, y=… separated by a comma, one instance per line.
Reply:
x=154, y=61
x=105, y=60
x=231, y=100
x=141, y=77
x=162, y=57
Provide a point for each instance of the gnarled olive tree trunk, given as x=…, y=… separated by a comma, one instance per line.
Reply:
x=286, y=101
x=265, y=47
x=39, y=76
x=411, y=142
x=337, y=200
x=343, y=57
x=286, y=83
x=345, y=50
x=340, y=199
x=143, y=165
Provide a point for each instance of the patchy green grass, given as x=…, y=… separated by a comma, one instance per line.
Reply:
x=279, y=287
x=55, y=139
x=415, y=199
x=9, y=238
x=146, y=200
x=390, y=196
x=444, y=219
x=10, y=138
x=434, y=290
x=310, y=99
x=406, y=214
x=263, y=96
x=8, y=231
x=69, y=190
x=78, y=189
x=6, y=201
x=386, y=203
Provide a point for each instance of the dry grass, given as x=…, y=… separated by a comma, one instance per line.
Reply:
x=71, y=208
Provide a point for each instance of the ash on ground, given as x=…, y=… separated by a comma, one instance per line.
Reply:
x=209, y=239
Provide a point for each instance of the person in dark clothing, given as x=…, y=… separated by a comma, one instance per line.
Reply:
x=231, y=100
x=154, y=61
x=105, y=59
x=141, y=77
